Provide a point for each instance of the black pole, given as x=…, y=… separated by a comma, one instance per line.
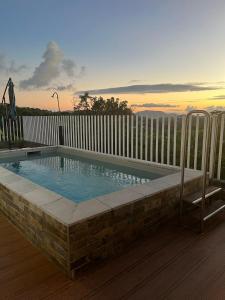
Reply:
x=3, y=97
x=61, y=137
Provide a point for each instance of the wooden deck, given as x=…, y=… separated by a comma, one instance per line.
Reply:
x=173, y=263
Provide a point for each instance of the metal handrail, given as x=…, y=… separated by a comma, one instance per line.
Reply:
x=205, y=161
x=220, y=117
x=217, y=118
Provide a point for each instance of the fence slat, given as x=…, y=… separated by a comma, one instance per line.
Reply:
x=83, y=132
x=98, y=133
x=108, y=133
x=120, y=136
x=68, y=132
x=104, y=121
x=78, y=132
x=146, y=138
x=196, y=142
x=151, y=139
x=175, y=141
x=162, y=140
x=182, y=138
x=101, y=122
x=123, y=135
x=141, y=138
x=168, y=140
x=86, y=132
x=213, y=146
x=136, y=144
x=95, y=140
x=203, y=143
x=128, y=137
x=220, y=148
x=189, y=142
x=157, y=141
x=111, y=135
x=92, y=134
x=89, y=132
x=132, y=136
x=116, y=136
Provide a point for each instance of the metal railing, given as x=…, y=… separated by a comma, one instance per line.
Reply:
x=205, y=161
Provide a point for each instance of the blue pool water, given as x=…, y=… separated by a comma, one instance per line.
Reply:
x=75, y=177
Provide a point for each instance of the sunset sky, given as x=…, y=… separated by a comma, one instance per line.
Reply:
x=166, y=55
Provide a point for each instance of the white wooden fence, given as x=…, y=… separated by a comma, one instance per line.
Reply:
x=11, y=131
x=146, y=138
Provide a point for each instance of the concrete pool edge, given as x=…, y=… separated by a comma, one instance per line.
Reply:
x=60, y=207
x=75, y=234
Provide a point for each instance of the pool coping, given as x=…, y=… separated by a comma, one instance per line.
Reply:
x=69, y=213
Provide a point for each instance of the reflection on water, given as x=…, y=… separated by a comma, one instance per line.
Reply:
x=97, y=169
x=16, y=166
x=62, y=163
x=78, y=178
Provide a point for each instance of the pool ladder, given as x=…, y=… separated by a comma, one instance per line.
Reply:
x=208, y=202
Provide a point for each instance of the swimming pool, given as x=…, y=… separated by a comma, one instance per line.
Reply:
x=80, y=206
x=75, y=177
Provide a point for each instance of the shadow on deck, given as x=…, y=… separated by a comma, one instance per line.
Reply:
x=172, y=263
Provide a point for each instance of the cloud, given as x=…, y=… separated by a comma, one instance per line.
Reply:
x=68, y=65
x=191, y=101
x=151, y=88
x=64, y=87
x=135, y=81
x=218, y=97
x=199, y=83
x=61, y=88
x=154, y=105
x=190, y=107
x=82, y=72
x=48, y=70
x=53, y=66
x=9, y=66
x=213, y=107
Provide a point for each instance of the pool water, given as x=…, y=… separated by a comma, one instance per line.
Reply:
x=75, y=177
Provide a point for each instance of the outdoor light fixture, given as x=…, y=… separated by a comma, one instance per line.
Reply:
x=57, y=97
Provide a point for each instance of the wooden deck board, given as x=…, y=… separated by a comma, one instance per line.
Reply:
x=173, y=263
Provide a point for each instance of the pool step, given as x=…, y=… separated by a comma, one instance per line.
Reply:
x=196, y=210
x=211, y=210
x=197, y=197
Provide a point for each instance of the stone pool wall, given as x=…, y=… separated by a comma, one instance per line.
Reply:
x=41, y=229
x=74, y=235
x=111, y=233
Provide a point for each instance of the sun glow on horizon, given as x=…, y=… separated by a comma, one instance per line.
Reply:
x=166, y=102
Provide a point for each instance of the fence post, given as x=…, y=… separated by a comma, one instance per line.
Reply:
x=220, y=153
x=214, y=125
x=183, y=124
x=61, y=136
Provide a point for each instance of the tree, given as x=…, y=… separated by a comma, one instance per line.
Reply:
x=85, y=103
x=94, y=105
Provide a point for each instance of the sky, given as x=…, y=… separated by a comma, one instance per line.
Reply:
x=166, y=55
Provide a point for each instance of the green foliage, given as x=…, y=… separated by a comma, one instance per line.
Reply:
x=28, y=111
x=95, y=105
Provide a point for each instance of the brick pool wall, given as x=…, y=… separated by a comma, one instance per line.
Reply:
x=72, y=246
x=111, y=233
x=41, y=229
